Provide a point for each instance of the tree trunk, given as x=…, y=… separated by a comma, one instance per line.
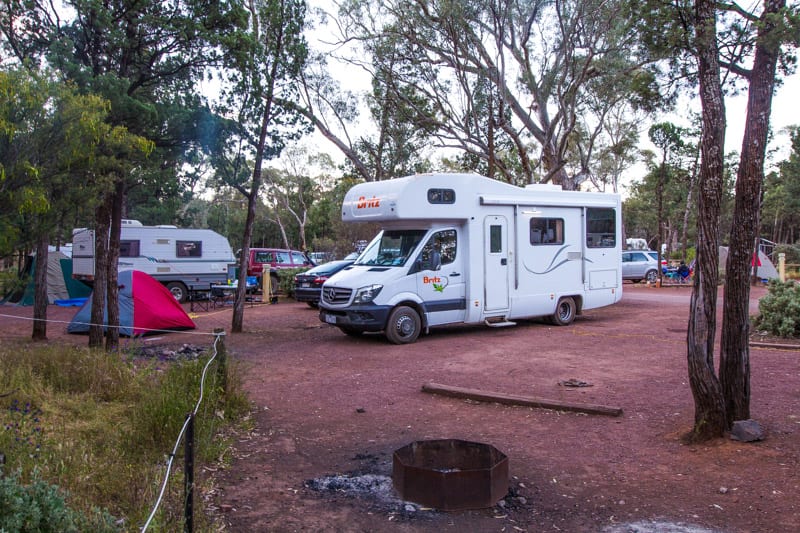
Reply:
x=40, y=291
x=237, y=322
x=101, y=228
x=734, y=368
x=660, y=214
x=112, y=293
x=709, y=411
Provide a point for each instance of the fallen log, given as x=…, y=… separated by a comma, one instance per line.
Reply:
x=513, y=399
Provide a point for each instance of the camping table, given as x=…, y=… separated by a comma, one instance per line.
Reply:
x=228, y=292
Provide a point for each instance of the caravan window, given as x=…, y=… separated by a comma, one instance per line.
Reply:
x=189, y=248
x=547, y=231
x=601, y=228
x=129, y=248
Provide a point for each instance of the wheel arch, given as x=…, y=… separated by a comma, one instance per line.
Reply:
x=416, y=306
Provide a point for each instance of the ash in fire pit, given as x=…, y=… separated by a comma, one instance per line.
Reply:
x=450, y=474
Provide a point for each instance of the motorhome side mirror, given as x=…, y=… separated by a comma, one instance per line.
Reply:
x=416, y=267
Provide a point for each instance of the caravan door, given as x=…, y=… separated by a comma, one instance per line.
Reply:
x=495, y=263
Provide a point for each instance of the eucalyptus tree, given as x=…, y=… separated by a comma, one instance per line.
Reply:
x=668, y=138
x=262, y=71
x=719, y=47
x=542, y=60
x=768, y=34
x=380, y=131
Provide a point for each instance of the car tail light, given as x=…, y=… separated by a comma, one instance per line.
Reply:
x=319, y=280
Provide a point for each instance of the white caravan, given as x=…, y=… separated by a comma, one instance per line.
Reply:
x=180, y=258
x=462, y=248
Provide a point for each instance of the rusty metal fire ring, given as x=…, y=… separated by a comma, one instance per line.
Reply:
x=450, y=474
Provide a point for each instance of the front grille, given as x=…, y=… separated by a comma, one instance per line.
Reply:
x=336, y=295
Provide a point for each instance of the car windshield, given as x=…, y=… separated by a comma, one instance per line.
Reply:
x=391, y=248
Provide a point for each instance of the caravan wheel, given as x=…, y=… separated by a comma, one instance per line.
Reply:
x=179, y=291
x=565, y=312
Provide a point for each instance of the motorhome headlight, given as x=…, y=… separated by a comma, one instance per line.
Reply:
x=367, y=294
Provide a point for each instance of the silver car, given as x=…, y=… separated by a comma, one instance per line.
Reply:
x=638, y=265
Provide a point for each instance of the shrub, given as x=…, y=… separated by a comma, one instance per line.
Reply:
x=10, y=282
x=41, y=507
x=779, y=310
x=286, y=280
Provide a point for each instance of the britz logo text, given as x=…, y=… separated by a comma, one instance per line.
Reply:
x=364, y=203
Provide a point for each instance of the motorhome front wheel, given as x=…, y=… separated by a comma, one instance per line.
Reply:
x=403, y=325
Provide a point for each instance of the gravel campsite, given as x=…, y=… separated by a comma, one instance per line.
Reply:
x=329, y=411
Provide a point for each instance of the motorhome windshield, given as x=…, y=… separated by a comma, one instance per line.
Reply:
x=391, y=248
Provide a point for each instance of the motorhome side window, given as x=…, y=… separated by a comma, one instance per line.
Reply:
x=547, y=231
x=601, y=228
x=441, y=196
x=443, y=242
x=129, y=248
x=189, y=248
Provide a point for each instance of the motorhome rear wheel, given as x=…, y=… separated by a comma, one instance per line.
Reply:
x=565, y=312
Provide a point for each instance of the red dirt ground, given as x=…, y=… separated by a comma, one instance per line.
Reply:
x=326, y=405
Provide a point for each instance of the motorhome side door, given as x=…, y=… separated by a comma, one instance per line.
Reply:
x=495, y=262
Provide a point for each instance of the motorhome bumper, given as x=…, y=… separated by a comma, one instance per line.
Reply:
x=364, y=318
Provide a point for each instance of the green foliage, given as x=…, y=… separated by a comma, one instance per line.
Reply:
x=779, y=310
x=99, y=426
x=781, y=208
x=10, y=280
x=286, y=280
x=40, y=507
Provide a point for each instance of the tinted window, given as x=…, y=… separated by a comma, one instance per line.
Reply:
x=495, y=239
x=189, y=248
x=547, y=231
x=441, y=196
x=601, y=228
x=129, y=249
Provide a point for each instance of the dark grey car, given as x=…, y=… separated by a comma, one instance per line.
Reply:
x=638, y=265
x=308, y=285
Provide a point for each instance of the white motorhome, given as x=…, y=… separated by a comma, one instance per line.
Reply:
x=462, y=248
x=182, y=259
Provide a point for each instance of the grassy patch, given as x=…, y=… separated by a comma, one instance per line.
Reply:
x=99, y=428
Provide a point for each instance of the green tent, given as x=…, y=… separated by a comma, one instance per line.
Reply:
x=60, y=285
